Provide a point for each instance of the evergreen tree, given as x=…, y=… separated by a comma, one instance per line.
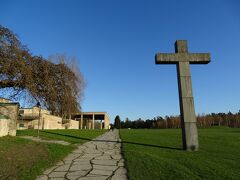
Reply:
x=117, y=122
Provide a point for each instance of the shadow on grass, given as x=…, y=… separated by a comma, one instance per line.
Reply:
x=125, y=142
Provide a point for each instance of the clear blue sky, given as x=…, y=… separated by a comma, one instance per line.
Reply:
x=115, y=43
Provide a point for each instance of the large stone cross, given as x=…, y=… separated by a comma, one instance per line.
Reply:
x=182, y=59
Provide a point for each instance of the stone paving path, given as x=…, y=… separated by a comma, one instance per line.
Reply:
x=99, y=159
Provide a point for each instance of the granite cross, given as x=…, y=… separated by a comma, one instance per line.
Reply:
x=182, y=59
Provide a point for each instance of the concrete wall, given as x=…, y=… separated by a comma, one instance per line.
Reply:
x=51, y=122
x=106, y=121
x=47, y=121
x=33, y=111
x=10, y=110
x=33, y=124
x=3, y=127
x=4, y=100
x=73, y=124
x=23, y=124
x=13, y=115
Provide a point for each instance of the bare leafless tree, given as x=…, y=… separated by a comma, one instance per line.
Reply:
x=57, y=85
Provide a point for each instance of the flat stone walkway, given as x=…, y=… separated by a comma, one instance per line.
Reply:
x=99, y=159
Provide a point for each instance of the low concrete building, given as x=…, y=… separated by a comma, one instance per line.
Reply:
x=13, y=118
x=8, y=117
x=29, y=118
x=90, y=120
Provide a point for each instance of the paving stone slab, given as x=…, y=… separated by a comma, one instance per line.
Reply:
x=57, y=174
x=73, y=177
x=93, y=152
x=72, y=156
x=49, y=170
x=62, y=168
x=77, y=173
x=121, y=160
x=82, y=147
x=121, y=171
x=60, y=163
x=104, y=157
x=80, y=167
x=119, y=177
x=80, y=160
x=94, y=178
x=101, y=172
x=42, y=177
x=78, y=151
x=112, y=152
x=104, y=162
x=90, y=156
x=109, y=168
x=118, y=157
x=82, y=163
x=120, y=164
x=68, y=162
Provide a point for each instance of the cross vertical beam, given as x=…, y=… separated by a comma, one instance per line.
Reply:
x=186, y=102
x=188, y=118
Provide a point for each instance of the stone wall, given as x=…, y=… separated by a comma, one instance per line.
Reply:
x=4, y=100
x=10, y=111
x=47, y=121
x=35, y=110
x=73, y=124
x=32, y=112
x=12, y=122
x=23, y=124
x=51, y=122
x=106, y=122
x=3, y=127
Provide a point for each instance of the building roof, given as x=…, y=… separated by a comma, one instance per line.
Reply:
x=90, y=113
x=9, y=103
x=4, y=98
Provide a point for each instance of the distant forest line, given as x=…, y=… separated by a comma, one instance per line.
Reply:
x=204, y=120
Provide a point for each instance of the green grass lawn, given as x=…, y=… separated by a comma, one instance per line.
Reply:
x=157, y=154
x=25, y=159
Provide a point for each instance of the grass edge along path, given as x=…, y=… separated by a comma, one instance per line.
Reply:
x=73, y=136
x=157, y=154
x=25, y=159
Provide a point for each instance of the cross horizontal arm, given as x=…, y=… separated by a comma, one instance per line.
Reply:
x=192, y=58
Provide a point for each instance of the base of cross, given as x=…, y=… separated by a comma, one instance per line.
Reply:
x=190, y=139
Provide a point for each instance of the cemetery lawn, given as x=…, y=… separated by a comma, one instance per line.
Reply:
x=157, y=154
x=74, y=136
x=25, y=159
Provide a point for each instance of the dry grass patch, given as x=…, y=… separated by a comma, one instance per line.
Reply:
x=25, y=159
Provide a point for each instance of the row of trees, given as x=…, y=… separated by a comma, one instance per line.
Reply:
x=204, y=120
x=55, y=82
